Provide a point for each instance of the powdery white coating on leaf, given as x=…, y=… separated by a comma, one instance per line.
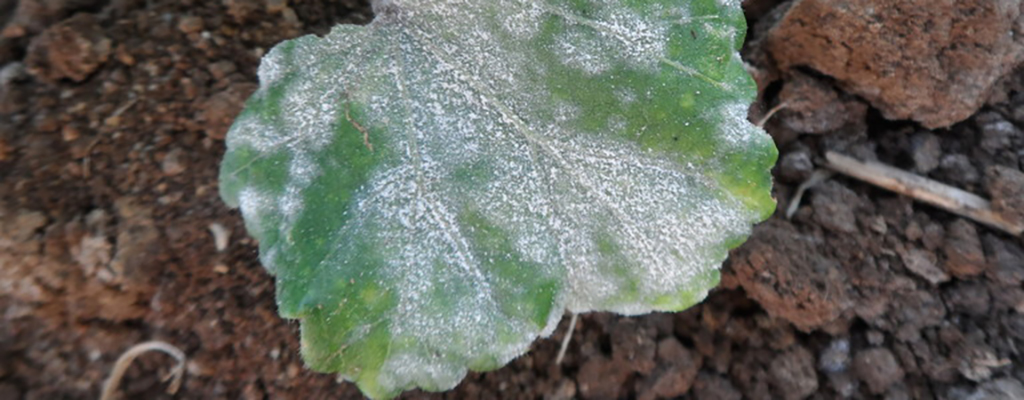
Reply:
x=660, y=213
x=735, y=129
x=254, y=203
x=614, y=34
x=525, y=22
x=730, y=4
x=467, y=128
x=719, y=29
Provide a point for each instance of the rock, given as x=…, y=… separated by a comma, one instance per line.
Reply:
x=1015, y=326
x=925, y=150
x=836, y=357
x=843, y=384
x=796, y=166
x=977, y=361
x=913, y=231
x=967, y=297
x=659, y=323
x=957, y=169
x=875, y=338
x=25, y=226
x=672, y=352
x=218, y=112
x=834, y=206
x=600, y=378
x=1006, y=189
x=72, y=49
x=878, y=369
x=922, y=263
x=935, y=366
x=715, y=387
x=190, y=24
x=566, y=390
x=787, y=273
x=877, y=224
x=173, y=163
x=935, y=63
x=898, y=392
x=138, y=240
x=1007, y=260
x=913, y=311
x=6, y=150
x=792, y=373
x=276, y=6
x=934, y=236
x=1010, y=298
x=221, y=69
x=13, y=94
x=996, y=132
x=1016, y=112
x=676, y=373
x=964, y=255
x=777, y=333
x=242, y=10
x=9, y=391
x=70, y=132
x=633, y=346
x=32, y=16
x=998, y=389
x=92, y=253
x=813, y=106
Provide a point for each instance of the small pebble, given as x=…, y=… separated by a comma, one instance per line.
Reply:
x=835, y=358
x=276, y=6
x=190, y=24
x=878, y=369
x=70, y=132
x=796, y=166
x=173, y=163
x=221, y=235
x=925, y=149
x=221, y=69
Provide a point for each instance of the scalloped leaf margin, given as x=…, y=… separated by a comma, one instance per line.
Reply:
x=434, y=189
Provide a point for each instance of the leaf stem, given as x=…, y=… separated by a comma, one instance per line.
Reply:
x=566, y=339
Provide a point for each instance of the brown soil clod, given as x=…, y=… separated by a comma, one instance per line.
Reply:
x=72, y=49
x=935, y=63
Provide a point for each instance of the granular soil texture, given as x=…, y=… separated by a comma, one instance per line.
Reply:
x=112, y=119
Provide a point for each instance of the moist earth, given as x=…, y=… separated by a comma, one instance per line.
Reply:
x=112, y=120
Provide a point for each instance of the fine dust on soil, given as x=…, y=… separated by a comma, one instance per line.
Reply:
x=112, y=116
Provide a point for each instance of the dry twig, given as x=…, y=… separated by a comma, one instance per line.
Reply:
x=767, y=116
x=122, y=363
x=923, y=189
x=818, y=176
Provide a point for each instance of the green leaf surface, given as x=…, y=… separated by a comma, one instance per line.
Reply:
x=433, y=190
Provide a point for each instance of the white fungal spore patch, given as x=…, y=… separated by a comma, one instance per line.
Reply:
x=734, y=130
x=523, y=23
x=481, y=168
x=594, y=43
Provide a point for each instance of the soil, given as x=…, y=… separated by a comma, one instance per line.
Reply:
x=112, y=119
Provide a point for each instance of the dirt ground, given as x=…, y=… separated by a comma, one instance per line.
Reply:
x=112, y=118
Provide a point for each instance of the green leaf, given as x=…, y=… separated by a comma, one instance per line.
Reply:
x=433, y=190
